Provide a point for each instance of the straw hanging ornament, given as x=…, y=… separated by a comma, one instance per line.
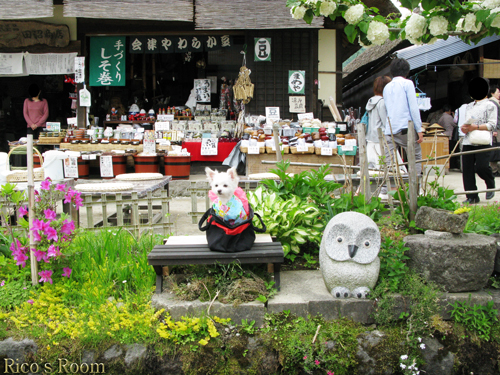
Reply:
x=243, y=87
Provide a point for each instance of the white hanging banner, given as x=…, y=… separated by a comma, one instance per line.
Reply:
x=106, y=166
x=79, y=69
x=11, y=64
x=50, y=63
x=85, y=98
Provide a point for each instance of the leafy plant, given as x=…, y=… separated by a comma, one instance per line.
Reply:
x=14, y=293
x=392, y=262
x=310, y=262
x=484, y=219
x=292, y=221
x=475, y=318
x=248, y=327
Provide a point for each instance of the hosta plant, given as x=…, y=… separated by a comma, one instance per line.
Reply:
x=292, y=221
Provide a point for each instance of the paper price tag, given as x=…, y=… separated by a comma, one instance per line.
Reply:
x=326, y=151
x=85, y=157
x=71, y=167
x=92, y=157
x=253, y=150
x=302, y=148
x=347, y=148
x=350, y=142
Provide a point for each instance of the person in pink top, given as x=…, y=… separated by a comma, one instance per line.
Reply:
x=36, y=110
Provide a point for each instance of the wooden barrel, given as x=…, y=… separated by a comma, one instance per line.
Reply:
x=36, y=161
x=146, y=164
x=83, y=168
x=179, y=167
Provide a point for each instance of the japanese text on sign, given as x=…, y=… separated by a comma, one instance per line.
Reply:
x=209, y=146
x=272, y=115
x=107, y=61
x=296, y=81
x=179, y=44
x=262, y=50
x=297, y=104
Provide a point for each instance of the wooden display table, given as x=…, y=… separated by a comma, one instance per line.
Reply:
x=107, y=147
x=433, y=147
x=254, y=162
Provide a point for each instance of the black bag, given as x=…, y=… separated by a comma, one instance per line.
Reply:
x=229, y=238
x=495, y=154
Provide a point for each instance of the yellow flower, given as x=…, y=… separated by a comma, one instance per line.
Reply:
x=203, y=342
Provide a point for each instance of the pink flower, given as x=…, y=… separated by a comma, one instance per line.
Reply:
x=330, y=373
x=78, y=201
x=45, y=185
x=30, y=301
x=316, y=362
x=53, y=251
x=2, y=283
x=13, y=246
x=39, y=225
x=66, y=272
x=23, y=211
x=45, y=276
x=69, y=195
x=49, y=214
x=38, y=199
x=20, y=259
x=51, y=233
x=305, y=357
x=40, y=255
x=61, y=187
x=67, y=227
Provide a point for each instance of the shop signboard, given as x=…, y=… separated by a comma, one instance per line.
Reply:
x=71, y=167
x=262, y=49
x=296, y=81
x=79, y=69
x=209, y=146
x=297, y=104
x=202, y=90
x=106, y=166
x=179, y=44
x=272, y=115
x=107, y=61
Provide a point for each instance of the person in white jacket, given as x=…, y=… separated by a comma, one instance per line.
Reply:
x=377, y=116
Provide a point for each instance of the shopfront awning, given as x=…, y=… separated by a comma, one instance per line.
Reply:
x=419, y=56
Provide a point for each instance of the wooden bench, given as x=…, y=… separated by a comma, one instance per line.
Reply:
x=182, y=250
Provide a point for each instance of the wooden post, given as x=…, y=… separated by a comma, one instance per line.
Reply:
x=363, y=162
x=31, y=205
x=412, y=170
x=381, y=140
x=276, y=134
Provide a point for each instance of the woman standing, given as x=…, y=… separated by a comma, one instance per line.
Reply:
x=481, y=114
x=36, y=110
x=377, y=115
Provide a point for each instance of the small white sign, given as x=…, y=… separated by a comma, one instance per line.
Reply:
x=209, y=146
x=253, y=150
x=302, y=148
x=71, y=167
x=53, y=126
x=92, y=157
x=306, y=116
x=326, y=151
x=79, y=69
x=71, y=121
x=272, y=115
x=107, y=166
x=86, y=157
x=162, y=125
x=347, y=148
x=350, y=142
x=297, y=104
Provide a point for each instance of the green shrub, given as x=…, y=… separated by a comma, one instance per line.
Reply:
x=475, y=318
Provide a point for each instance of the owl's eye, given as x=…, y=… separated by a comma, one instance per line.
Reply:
x=367, y=243
x=340, y=239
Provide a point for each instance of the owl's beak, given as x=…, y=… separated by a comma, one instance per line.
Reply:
x=353, y=249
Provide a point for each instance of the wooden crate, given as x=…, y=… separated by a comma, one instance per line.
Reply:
x=254, y=162
x=433, y=147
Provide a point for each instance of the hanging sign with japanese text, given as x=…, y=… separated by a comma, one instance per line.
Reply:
x=209, y=146
x=262, y=49
x=79, y=69
x=272, y=115
x=297, y=104
x=106, y=163
x=296, y=81
x=107, y=61
x=179, y=44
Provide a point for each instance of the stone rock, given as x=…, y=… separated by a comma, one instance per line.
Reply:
x=114, y=352
x=497, y=257
x=16, y=350
x=460, y=264
x=135, y=353
x=440, y=220
x=88, y=357
x=367, y=353
x=438, y=235
x=348, y=255
x=438, y=359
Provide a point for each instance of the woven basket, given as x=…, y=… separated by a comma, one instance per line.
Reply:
x=42, y=140
x=286, y=150
x=22, y=175
x=317, y=151
x=293, y=150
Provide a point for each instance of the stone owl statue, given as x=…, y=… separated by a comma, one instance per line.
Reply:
x=348, y=255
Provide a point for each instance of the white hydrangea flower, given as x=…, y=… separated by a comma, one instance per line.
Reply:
x=491, y=4
x=354, y=14
x=327, y=8
x=298, y=12
x=378, y=33
x=312, y=3
x=496, y=10
x=438, y=25
x=496, y=22
x=470, y=23
x=414, y=41
x=460, y=24
x=415, y=27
